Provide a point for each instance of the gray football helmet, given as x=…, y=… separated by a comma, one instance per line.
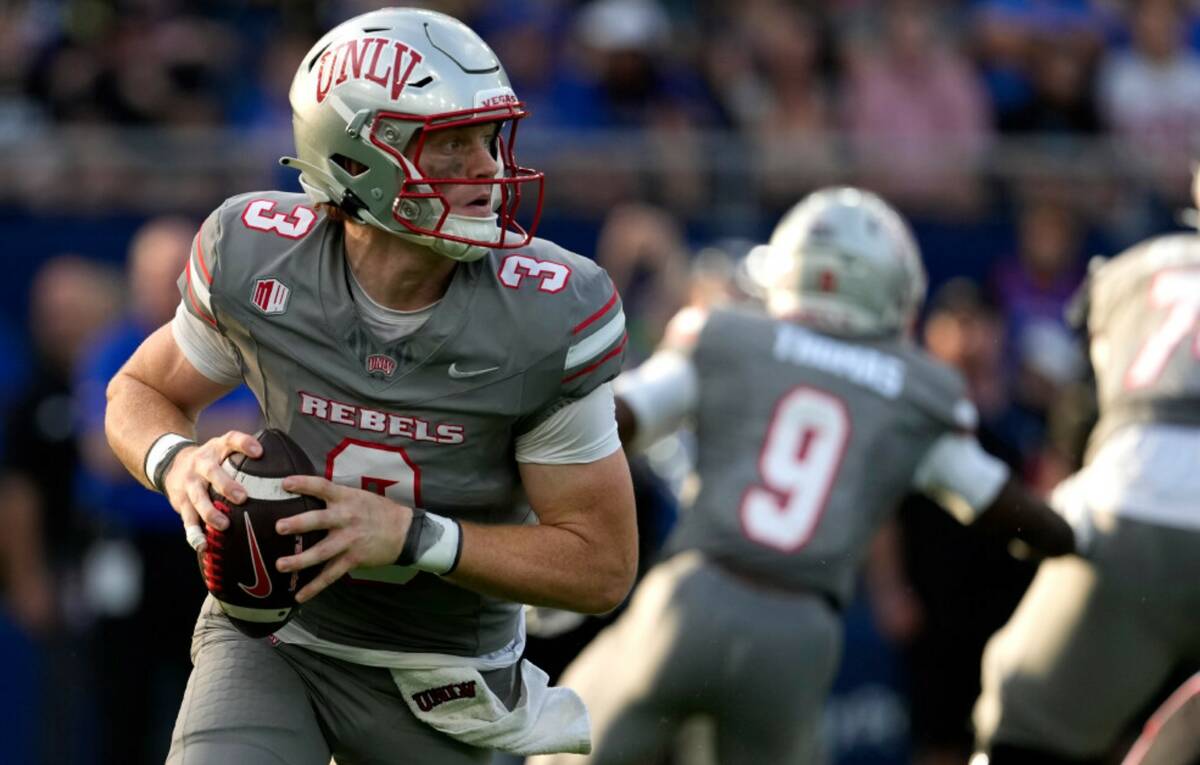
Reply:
x=368, y=95
x=843, y=258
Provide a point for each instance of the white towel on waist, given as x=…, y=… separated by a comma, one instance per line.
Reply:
x=457, y=702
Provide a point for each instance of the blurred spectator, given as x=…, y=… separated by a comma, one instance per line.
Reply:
x=766, y=68
x=1012, y=39
x=1061, y=103
x=18, y=40
x=518, y=31
x=1150, y=94
x=917, y=114
x=643, y=250
x=1002, y=44
x=626, y=76
x=965, y=581
x=71, y=299
x=623, y=76
x=720, y=275
x=261, y=103
x=1035, y=285
x=145, y=589
x=1033, y=289
x=43, y=533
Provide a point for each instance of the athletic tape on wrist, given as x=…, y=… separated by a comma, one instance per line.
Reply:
x=433, y=544
x=160, y=456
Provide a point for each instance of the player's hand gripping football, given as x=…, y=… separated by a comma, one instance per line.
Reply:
x=363, y=529
x=198, y=467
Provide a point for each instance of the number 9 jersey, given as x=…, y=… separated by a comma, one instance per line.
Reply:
x=432, y=419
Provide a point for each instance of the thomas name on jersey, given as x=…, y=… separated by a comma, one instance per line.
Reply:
x=375, y=421
x=869, y=368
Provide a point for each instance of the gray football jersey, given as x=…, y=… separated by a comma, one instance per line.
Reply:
x=806, y=443
x=1144, y=321
x=429, y=420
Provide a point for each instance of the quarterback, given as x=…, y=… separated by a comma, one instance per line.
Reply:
x=811, y=422
x=440, y=364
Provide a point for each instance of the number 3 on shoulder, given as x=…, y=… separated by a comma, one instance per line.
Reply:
x=260, y=215
x=550, y=276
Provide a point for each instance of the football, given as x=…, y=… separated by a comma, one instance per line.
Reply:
x=238, y=563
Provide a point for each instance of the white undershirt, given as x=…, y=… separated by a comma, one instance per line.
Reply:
x=1147, y=471
x=665, y=390
x=583, y=431
x=389, y=324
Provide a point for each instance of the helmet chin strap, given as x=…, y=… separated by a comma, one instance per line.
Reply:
x=458, y=225
x=479, y=228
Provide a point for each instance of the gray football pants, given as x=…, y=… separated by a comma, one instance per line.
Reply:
x=1091, y=642
x=251, y=703
x=697, y=641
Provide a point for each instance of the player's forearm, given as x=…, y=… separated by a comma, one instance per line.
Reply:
x=1016, y=513
x=546, y=566
x=136, y=416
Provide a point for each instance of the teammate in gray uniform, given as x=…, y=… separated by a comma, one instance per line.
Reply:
x=439, y=364
x=812, y=423
x=1092, y=641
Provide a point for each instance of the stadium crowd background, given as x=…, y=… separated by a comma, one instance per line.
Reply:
x=1021, y=136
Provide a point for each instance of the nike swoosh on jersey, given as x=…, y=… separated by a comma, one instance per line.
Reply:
x=262, y=582
x=459, y=374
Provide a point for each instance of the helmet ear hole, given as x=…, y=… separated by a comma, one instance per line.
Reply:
x=351, y=166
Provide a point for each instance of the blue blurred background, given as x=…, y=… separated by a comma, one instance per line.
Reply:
x=1020, y=136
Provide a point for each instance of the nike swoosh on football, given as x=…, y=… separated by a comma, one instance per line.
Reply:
x=459, y=374
x=262, y=582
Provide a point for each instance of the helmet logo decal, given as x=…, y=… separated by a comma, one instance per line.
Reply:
x=367, y=58
x=495, y=97
x=828, y=281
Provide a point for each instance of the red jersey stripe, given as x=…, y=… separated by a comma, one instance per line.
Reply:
x=581, y=326
x=191, y=293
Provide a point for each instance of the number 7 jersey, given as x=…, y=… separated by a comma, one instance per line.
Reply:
x=1144, y=322
x=429, y=420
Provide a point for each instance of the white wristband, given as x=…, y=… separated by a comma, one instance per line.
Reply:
x=162, y=448
x=442, y=556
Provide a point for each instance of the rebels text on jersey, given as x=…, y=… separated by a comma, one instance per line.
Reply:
x=429, y=419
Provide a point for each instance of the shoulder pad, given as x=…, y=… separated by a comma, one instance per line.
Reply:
x=939, y=391
x=574, y=305
x=242, y=231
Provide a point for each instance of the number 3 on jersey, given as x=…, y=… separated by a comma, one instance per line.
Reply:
x=799, y=462
x=261, y=216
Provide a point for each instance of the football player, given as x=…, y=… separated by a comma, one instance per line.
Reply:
x=812, y=422
x=437, y=361
x=1092, y=641
x=1172, y=734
